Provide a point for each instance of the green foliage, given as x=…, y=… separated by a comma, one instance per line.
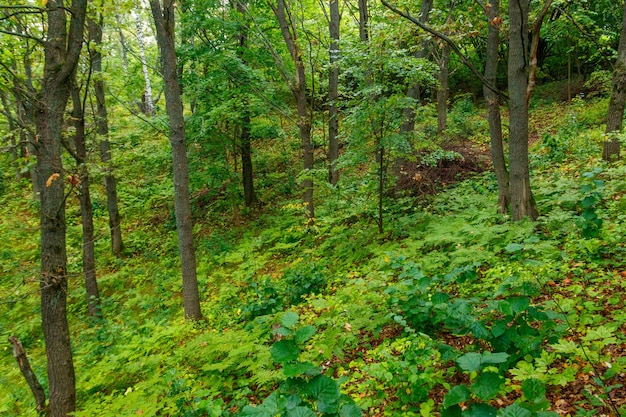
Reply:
x=591, y=189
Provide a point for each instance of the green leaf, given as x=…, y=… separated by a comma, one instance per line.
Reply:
x=456, y=395
x=519, y=304
x=323, y=388
x=453, y=411
x=251, y=411
x=470, y=362
x=534, y=390
x=305, y=333
x=493, y=358
x=513, y=247
x=480, y=410
x=285, y=351
x=514, y=410
x=301, y=412
x=486, y=385
x=289, y=319
x=350, y=410
x=300, y=368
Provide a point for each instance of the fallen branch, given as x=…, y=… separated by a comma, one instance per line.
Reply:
x=22, y=361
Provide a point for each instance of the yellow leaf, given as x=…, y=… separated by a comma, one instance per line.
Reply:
x=50, y=179
x=44, y=2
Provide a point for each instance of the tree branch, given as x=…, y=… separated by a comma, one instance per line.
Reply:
x=22, y=361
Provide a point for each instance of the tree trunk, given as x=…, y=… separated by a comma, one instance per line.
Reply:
x=12, y=125
x=493, y=102
x=408, y=125
x=22, y=361
x=615, y=115
x=333, y=86
x=102, y=126
x=123, y=45
x=534, y=48
x=444, y=89
x=86, y=211
x=298, y=89
x=164, y=22
x=522, y=201
x=147, y=103
x=363, y=21
x=61, y=53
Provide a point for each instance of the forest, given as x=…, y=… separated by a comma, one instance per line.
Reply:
x=300, y=208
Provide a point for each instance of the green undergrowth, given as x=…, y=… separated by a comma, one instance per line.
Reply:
x=453, y=311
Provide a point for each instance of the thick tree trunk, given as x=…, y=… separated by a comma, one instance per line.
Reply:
x=102, y=126
x=615, y=115
x=444, y=89
x=298, y=89
x=493, y=102
x=522, y=201
x=333, y=86
x=86, y=210
x=147, y=103
x=164, y=22
x=408, y=125
x=61, y=53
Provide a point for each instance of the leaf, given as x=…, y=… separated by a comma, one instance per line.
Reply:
x=289, y=319
x=487, y=385
x=251, y=411
x=285, y=351
x=514, y=410
x=479, y=410
x=301, y=412
x=534, y=390
x=470, y=362
x=519, y=304
x=300, y=368
x=51, y=179
x=458, y=394
x=350, y=410
x=303, y=334
x=493, y=358
x=513, y=247
x=322, y=388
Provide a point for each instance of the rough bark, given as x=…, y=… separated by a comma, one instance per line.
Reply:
x=164, y=22
x=298, y=89
x=493, y=103
x=443, y=91
x=31, y=379
x=102, y=128
x=522, y=202
x=363, y=20
x=147, y=103
x=81, y=182
x=615, y=115
x=333, y=96
x=61, y=52
x=534, y=48
x=408, y=125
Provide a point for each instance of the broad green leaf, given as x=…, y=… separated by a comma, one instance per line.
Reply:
x=470, y=362
x=300, y=368
x=493, y=358
x=251, y=411
x=456, y=395
x=289, y=319
x=513, y=247
x=514, y=410
x=285, y=351
x=452, y=411
x=301, y=412
x=350, y=410
x=534, y=390
x=323, y=388
x=305, y=333
x=479, y=410
x=486, y=385
x=519, y=304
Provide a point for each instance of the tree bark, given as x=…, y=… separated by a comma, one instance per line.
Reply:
x=102, y=126
x=493, y=102
x=147, y=103
x=615, y=115
x=81, y=182
x=363, y=21
x=444, y=89
x=12, y=125
x=61, y=53
x=522, y=201
x=534, y=48
x=164, y=22
x=333, y=96
x=298, y=89
x=22, y=361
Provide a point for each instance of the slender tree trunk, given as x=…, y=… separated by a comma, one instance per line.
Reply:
x=333, y=87
x=26, y=116
x=102, y=126
x=146, y=100
x=444, y=89
x=522, y=201
x=123, y=45
x=22, y=361
x=534, y=48
x=298, y=89
x=164, y=22
x=61, y=53
x=12, y=125
x=408, y=125
x=615, y=115
x=363, y=21
x=493, y=102
x=86, y=210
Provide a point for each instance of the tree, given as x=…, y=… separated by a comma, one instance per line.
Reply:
x=615, y=115
x=522, y=202
x=333, y=96
x=165, y=25
x=147, y=103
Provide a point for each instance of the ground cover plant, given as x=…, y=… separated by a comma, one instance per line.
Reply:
x=452, y=311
